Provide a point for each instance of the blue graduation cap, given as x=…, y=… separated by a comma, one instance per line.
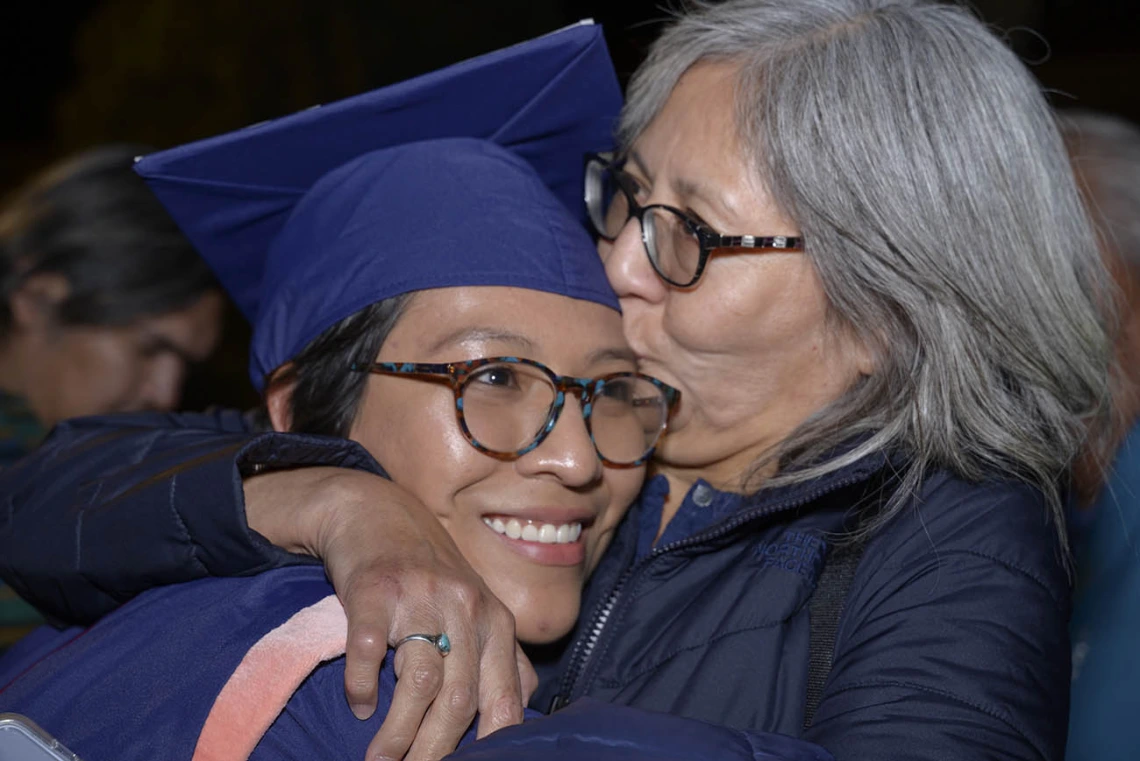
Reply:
x=308, y=218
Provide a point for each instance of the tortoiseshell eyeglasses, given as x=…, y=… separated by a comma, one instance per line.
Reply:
x=507, y=406
x=678, y=246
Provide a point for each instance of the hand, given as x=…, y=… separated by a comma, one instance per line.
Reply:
x=397, y=572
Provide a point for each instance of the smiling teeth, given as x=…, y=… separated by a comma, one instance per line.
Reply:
x=543, y=533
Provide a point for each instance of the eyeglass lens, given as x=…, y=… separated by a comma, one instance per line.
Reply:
x=506, y=408
x=673, y=248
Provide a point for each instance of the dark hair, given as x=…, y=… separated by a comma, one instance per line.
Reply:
x=92, y=220
x=326, y=392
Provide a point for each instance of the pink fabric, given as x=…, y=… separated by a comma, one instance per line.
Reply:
x=267, y=677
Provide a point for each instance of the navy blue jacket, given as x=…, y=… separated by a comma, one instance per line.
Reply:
x=154, y=669
x=953, y=643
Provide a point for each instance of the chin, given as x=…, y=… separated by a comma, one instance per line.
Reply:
x=542, y=632
x=542, y=625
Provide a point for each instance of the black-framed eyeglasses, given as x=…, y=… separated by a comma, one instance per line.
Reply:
x=677, y=245
x=507, y=406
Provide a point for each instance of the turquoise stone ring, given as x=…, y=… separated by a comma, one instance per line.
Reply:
x=440, y=642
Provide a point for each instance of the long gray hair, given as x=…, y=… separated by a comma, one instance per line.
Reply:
x=927, y=175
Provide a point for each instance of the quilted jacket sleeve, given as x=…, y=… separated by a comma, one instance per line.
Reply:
x=954, y=643
x=108, y=507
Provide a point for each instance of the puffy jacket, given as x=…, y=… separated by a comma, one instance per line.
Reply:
x=228, y=669
x=952, y=643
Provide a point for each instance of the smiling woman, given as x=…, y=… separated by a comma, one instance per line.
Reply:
x=547, y=486
x=541, y=426
x=400, y=422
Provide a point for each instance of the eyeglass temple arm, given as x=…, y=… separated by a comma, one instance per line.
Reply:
x=427, y=370
x=778, y=242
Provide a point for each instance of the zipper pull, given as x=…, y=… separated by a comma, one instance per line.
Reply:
x=557, y=704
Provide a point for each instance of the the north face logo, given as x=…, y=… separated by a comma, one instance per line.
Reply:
x=797, y=551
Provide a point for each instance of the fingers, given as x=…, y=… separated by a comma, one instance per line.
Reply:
x=398, y=572
x=528, y=677
x=500, y=688
x=365, y=649
x=451, y=713
x=419, y=677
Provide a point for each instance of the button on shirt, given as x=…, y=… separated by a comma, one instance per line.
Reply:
x=703, y=507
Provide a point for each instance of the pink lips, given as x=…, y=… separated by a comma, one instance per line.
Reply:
x=548, y=536
x=571, y=554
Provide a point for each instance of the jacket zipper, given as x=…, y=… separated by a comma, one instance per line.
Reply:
x=585, y=646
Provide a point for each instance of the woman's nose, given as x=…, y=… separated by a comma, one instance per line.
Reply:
x=567, y=452
x=628, y=267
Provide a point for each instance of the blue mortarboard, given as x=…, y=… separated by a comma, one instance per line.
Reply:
x=308, y=218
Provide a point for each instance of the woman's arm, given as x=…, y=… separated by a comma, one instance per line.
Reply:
x=109, y=507
x=953, y=643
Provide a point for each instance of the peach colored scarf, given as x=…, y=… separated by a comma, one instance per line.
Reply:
x=267, y=677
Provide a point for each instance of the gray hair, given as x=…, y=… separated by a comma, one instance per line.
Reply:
x=927, y=174
x=1105, y=151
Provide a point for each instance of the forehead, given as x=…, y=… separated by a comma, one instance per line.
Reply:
x=445, y=324
x=693, y=155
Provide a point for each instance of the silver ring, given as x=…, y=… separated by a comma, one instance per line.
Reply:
x=440, y=642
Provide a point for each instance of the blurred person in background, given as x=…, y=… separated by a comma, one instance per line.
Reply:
x=1106, y=537
x=103, y=303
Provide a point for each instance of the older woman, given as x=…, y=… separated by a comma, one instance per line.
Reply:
x=848, y=232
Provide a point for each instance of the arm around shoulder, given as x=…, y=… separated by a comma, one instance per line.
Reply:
x=110, y=506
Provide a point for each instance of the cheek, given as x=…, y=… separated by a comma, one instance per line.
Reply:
x=747, y=312
x=416, y=438
x=623, y=487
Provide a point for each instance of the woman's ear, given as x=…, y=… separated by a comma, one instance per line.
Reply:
x=279, y=398
x=36, y=300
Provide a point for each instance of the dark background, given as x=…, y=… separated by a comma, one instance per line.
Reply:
x=162, y=72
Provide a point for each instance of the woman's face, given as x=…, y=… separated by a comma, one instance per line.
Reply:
x=98, y=370
x=749, y=345
x=410, y=425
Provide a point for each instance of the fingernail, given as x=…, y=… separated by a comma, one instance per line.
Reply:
x=362, y=710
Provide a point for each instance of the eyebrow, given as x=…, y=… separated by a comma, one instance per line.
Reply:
x=489, y=334
x=481, y=333
x=635, y=157
x=685, y=186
